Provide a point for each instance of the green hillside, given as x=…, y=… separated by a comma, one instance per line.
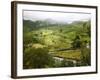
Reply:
x=67, y=41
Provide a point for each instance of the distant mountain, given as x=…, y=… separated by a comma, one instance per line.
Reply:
x=51, y=21
x=33, y=25
x=41, y=23
x=80, y=22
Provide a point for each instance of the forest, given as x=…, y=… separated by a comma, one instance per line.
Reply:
x=48, y=44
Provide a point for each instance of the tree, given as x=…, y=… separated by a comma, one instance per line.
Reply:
x=76, y=42
x=87, y=28
x=85, y=54
x=37, y=58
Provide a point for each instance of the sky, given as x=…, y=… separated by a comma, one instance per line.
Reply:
x=67, y=17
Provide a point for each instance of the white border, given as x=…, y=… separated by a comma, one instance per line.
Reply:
x=31, y=72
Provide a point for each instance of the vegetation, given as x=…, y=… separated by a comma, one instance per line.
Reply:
x=48, y=44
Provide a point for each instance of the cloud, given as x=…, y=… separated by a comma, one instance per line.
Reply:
x=67, y=17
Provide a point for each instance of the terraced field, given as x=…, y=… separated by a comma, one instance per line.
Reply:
x=69, y=54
